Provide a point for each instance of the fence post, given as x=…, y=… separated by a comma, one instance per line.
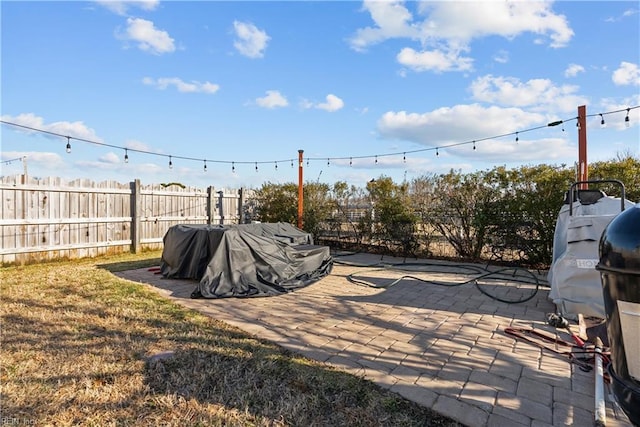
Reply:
x=240, y=206
x=135, y=216
x=221, y=206
x=210, y=205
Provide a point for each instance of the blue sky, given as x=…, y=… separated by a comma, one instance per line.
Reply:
x=366, y=89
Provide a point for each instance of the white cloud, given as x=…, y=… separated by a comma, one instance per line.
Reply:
x=435, y=60
x=273, y=99
x=456, y=124
x=102, y=164
x=616, y=121
x=137, y=145
x=392, y=20
x=573, y=70
x=73, y=129
x=149, y=38
x=536, y=93
x=332, y=104
x=452, y=131
x=40, y=158
x=182, y=86
x=305, y=104
x=251, y=41
x=627, y=13
x=501, y=57
x=465, y=21
x=110, y=158
x=627, y=74
x=122, y=7
x=525, y=150
x=445, y=29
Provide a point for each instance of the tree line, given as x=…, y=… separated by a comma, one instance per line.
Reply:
x=503, y=215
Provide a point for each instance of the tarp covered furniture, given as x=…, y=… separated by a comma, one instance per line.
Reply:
x=243, y=260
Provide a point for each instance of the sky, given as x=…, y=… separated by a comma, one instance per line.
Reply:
x=365, y=89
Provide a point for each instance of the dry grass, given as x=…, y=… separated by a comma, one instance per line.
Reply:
x=76, y=343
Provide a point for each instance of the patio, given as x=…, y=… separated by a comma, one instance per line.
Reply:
x=444, y=347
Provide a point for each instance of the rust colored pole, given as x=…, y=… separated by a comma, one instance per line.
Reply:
x=583, y=169
x=300, y=188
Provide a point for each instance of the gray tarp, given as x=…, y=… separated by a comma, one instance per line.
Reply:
x=243, y=260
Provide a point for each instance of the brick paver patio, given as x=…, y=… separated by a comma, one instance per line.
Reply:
x=442, y=347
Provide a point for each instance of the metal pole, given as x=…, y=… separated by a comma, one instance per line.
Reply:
x=583, y=172
x=600, y=410
x=25, y=174
x=300, y=188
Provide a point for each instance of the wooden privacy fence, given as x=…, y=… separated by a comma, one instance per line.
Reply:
x=47, y=219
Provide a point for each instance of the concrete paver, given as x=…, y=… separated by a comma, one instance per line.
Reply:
x=442, y=347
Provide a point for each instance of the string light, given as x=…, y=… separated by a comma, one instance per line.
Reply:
x=276, y=165
x=8, y=162
x=602, y=123
x=205, y=165
x=233, y=167
x=170, y=163
x=291, y=163
x=126, y=155
x=375, y=156
x=404, y=157
x=256, y=166
x=626, y=119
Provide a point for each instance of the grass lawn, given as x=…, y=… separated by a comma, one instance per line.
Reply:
x=75, y=349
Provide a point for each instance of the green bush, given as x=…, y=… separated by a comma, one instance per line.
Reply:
x=500, y=214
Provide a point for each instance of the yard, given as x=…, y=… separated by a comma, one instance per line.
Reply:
x=81, y=346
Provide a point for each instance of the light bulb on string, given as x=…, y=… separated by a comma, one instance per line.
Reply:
x=233, y=167
x=626, y=119
x=170, y=163
x=404, y=157
x=437, y=152
x=292, y=163
x=602, y=123
x=256, y=166
x=376, y=162
x=307, y=162
x=350, y=161
x=578, y=124
x=205, y=165
x=276, y=165
x=68, y=144
x=126, y=155
x=517, y=137
x=474, y=145
x=328, y=163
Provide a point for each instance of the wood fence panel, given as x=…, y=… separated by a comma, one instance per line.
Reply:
x=50, y=218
